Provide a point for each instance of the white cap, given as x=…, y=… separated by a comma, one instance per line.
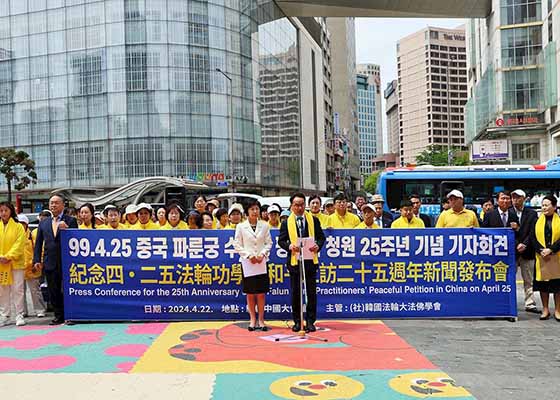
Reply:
x=110, y=207
x=99, y=215
x=130, y=209
x=235, y=206
x=377, y=198
x=455, y=193
x=367, y=205
x=142, y=206
x=23, y=218
x=215, y=202
x=519, y=193
x=285, y=213
x=329, y=202
x=273, y=208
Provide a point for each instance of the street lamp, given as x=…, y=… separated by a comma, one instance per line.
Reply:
x=230, y=128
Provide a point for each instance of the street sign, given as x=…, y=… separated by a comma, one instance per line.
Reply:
x=222, y=184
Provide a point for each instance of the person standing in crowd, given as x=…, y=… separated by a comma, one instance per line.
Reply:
x=369, y=215
x=302, y=224
x=207, y=220
x=457, y=216
x=161, y=219
x=235, y=214
x=200, y=204
x=32, y=275
x=407, y=218
x=524, y=253
x=175, y=216
x=487, y=206
x=130, y=216
x=50, y=260
x=222, y=218
x=284, y=215
x=341, y=217
x=416, y=204
x=12, y=265
x=360, y=201
x=144, y=214
x=99, y=219
x=274, y=216
x=194, y=220
x=212, y=204
x=253, y=243
x=112, y=218
x=546, y=242
x=264, y=212
x=382, y=218
x=502, y=217
x=86, y=212
x=328, y=208
x=315, y=210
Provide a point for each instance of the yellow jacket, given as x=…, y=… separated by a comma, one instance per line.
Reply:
x=150, y=225
x=109, y=227
x=29, y=247
x=402, y=222
x=349, y=221
x=364, y=226
x=323, y=219
x=84, y=226
x=180, y=225
x=12, y=243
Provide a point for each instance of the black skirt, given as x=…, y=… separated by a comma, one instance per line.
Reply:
x=256, y=284
x=551, y=286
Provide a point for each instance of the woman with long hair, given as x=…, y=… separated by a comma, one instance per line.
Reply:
x=12, y=265
x=86, y=213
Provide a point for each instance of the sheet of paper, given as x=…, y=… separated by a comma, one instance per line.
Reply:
x=250, y=269
x=306, y=243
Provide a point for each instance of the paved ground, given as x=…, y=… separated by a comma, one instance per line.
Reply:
x=493, y=359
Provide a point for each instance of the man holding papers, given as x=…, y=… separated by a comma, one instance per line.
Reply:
x=253, y=243
x=302, y=232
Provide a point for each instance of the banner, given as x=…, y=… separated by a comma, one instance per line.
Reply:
x=381, y=273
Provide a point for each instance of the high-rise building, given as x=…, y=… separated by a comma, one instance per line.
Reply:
x=374, y=71
x=367, y=123
x=432, y=90
x=513, y=83
x=346, y=137
x=101, y=93
x=392, y=113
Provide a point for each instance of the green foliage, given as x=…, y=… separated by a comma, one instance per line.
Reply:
x=438, y=156
x=18, y=169
x=370, y=185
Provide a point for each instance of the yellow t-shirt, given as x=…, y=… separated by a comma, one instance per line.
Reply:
x=462, y=219
x=84, y=226
x=348, y=221
x=109, y=227
x=150, y=225
x=323, y=219
x=364, y=226
x=180, y=225
x=402, y=222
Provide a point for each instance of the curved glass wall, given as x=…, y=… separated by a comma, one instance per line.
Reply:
x=100, y=93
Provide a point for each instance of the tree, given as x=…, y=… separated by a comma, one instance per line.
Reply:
x=18, y=169
x=439, y=155
x=370, y=185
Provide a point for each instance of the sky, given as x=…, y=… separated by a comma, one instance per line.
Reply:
x=376, y=42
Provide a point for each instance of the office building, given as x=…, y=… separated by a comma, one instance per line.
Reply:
x=432, y=91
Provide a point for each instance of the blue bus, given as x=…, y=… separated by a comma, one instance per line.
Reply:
x=478, y=183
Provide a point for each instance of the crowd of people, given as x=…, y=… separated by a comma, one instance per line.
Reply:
x=27, y=257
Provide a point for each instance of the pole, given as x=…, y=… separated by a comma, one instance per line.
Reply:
x=230, y=128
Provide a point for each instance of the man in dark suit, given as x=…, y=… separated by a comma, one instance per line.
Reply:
x=416, y=203
x=524, y=252
x=382, y=218
x=49, y=259
x=298, y=225
x=501, y=217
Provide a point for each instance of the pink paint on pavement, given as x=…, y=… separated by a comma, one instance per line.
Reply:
x=127, y=350
x=126, y=366
x=59, y=337
x=9, y=364
x=151, y=328
x=37, y=328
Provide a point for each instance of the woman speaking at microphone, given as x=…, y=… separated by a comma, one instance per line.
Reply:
x=253, y=243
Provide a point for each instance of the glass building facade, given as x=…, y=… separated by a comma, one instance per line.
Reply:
x=101, y=93
x=367, y=124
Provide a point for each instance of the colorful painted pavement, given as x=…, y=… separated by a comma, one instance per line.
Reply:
x=360, y=360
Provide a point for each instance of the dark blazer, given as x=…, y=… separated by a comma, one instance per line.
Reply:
x=52, y=259
x=426, y=219
x=537, y=247
x=525, y=233
x=284, y=237
x=493, y=219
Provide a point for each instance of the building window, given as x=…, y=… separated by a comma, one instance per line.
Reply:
x=520, y=11
x=525, y=151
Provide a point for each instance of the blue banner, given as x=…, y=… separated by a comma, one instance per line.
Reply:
x=381, y=273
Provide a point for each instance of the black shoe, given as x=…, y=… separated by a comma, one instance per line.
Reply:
x=57, y=321
x=533, y=310
x=296, y=327
x=69, y=323
x=251, y=328
x=556, y=318
x=544, y=317
x=264, y=328
x=310, y=328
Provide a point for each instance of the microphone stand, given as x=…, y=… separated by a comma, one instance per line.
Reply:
x=302, y=334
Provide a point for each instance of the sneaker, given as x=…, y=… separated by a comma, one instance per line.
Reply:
x=4, y=320
x=41, y=314
x=20, y=321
